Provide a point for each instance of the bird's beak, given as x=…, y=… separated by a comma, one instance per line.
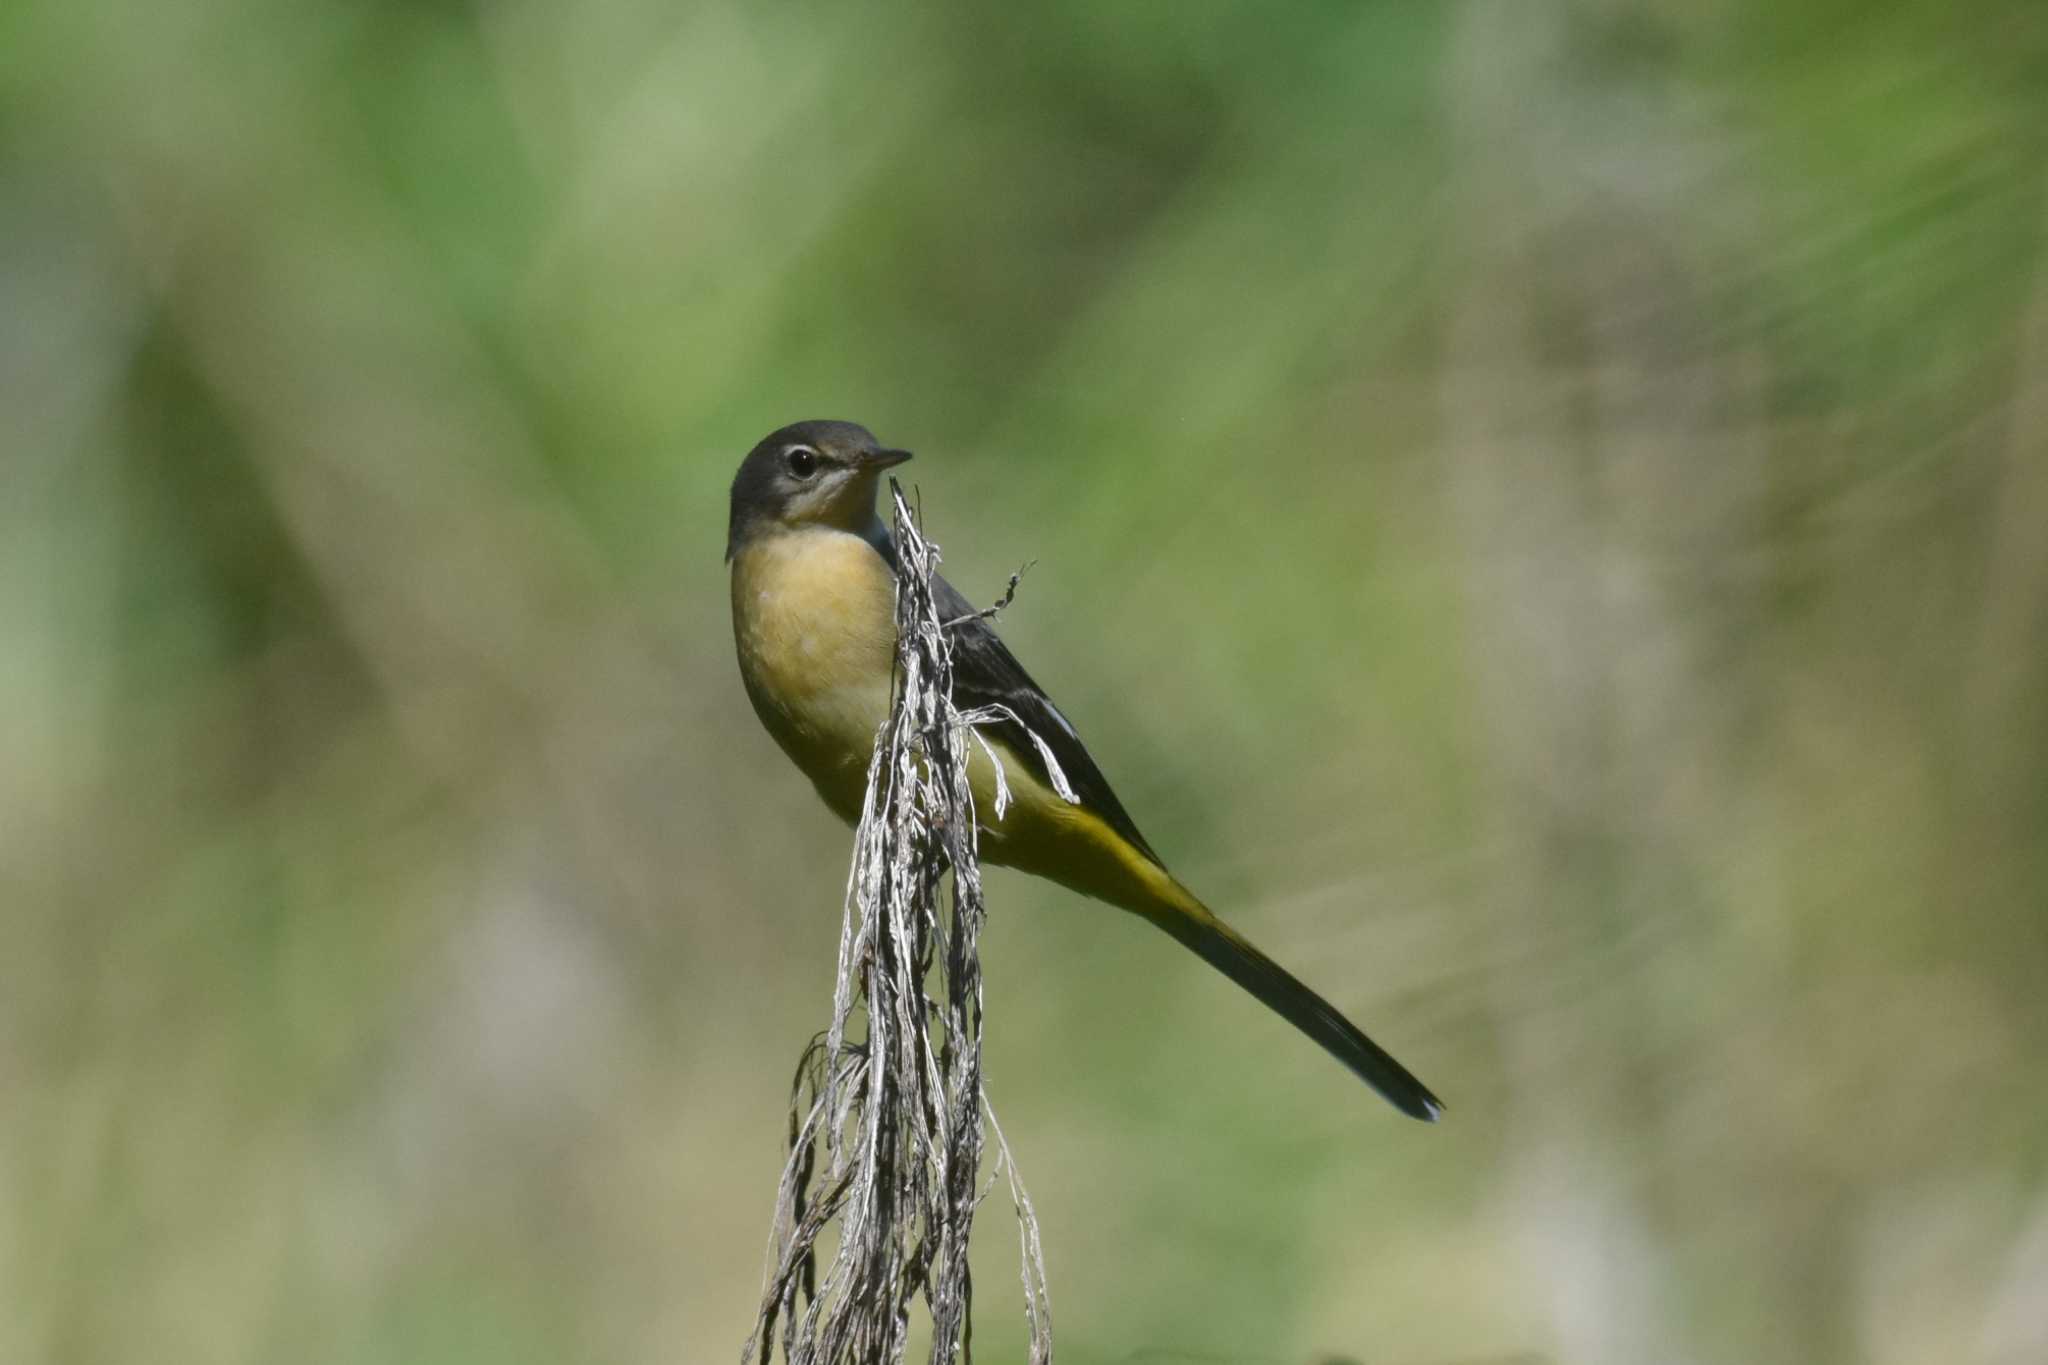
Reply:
x=883, y=459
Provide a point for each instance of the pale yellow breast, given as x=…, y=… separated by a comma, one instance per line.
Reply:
x=813, y=614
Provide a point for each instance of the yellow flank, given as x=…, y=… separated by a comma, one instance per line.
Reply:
x=1048, y=836
x=814, y=618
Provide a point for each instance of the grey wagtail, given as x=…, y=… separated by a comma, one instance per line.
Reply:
x=813, y=614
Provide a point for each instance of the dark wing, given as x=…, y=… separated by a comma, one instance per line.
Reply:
x=985, y=673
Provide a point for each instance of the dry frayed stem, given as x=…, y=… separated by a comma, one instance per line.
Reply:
x=886, y=1129
x=1002, y=603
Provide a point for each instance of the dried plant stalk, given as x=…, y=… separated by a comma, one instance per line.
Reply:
x=886, y=1129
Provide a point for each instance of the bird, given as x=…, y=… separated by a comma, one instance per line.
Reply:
x=813, y=571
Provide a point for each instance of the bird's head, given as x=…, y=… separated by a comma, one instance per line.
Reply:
x=808, y=474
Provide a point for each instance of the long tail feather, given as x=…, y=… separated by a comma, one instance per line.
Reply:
x=1227, y=951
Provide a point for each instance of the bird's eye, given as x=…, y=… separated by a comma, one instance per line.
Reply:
x=802, y=461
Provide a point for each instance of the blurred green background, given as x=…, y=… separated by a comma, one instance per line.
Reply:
x=1541, y=507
